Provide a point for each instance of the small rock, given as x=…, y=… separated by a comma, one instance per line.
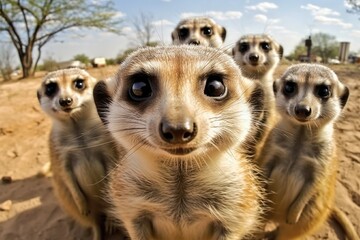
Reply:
x=6, y=206
x=6, y=179
x=12, y=153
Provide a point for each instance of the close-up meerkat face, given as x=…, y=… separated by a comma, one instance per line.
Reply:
x=176, y=101
x=310, y=94
x=66, y=92
x=199, y=31
x=257, y=53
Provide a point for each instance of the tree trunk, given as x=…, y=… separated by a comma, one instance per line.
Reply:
x=26, y=62
x=37, y=60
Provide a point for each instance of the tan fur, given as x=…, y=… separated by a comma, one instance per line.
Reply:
x=183, y=176
x=267, y=54
x=300, y=158
x=81, y=149
x=199, y=31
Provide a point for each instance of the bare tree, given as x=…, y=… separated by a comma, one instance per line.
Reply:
x=354, y=6
x=32, y=24
x=144, y=29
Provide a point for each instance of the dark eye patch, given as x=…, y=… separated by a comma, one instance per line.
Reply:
x=79, y=83
x=215, y=87
x=265, y=46
x=243, y=47
x=207, y=31
x=183, y=33
x=140, y=88
x=289, y=88
x=51, y=88
x=323, y=91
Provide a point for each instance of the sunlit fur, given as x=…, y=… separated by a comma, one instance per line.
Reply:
x=195, y=26
x=300, y=157
x=208, y=193
x=81, y=149
x=262, y=72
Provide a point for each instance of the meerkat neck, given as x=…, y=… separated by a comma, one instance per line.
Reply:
x=307, y=132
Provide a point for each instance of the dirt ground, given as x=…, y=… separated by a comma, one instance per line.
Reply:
x=33, y=212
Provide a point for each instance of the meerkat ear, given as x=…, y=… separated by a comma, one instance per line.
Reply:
x=223, y=33
x=344, y=96
x=281, y=51
x=38, y=95
x=102, y=99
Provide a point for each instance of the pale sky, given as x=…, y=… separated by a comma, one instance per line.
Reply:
x=287, y=21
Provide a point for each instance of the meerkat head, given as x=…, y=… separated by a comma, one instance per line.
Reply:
x=177, y=102
x=257, y=54
x=66, y=92
x=310, y=94
x=199, y=31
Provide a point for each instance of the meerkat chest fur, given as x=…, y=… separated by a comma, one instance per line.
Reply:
x=84, y=146
x=306, y=154
x=182, y=117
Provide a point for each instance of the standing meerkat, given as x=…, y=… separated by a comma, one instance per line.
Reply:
x=182, y=113
x=300, y=158
x=81, y=149
x=199, y=31
x=258, y=55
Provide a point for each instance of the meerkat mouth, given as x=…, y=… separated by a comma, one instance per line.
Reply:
x=179, y=151
x=66, y=110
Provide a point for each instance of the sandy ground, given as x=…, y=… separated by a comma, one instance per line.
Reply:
x=33, y=212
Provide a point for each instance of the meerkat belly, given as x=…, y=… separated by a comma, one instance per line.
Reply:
x=286, y=182
x=184, y=202
x=89, y=173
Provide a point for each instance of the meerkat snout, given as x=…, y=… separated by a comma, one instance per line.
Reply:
x=302, y=112
x=179, y=132
x=65, y=101
x=254, y=58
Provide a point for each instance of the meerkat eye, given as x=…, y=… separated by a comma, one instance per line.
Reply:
x=289, y=88
x=79, y=83
x=207, y=31
x=215, y=87
x=140, y=90
x=243, y=47
x=265, y=46
x=50, y=89
x=323, y=91
x=183, y=33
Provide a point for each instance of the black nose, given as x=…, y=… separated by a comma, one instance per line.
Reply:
x=178, y=132
x=302, y=111
x=194, y=42
x=254, y=57
x=65, y=102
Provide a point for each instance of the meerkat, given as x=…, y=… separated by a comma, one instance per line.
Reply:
x=199, y=31
x=81, y=149
x=299, y=158
x=182, y=114
x=258, y=55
